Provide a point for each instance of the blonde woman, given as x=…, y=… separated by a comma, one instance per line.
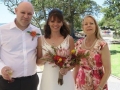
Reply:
x=94, y=71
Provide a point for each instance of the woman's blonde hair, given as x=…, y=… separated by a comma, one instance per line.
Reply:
x=97, y=30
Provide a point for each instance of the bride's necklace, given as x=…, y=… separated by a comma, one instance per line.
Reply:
x=90, y=46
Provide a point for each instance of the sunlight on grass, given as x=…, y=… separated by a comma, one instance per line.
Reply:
x=115, y=60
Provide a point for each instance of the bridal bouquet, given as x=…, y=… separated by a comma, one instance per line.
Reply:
x=60, y=56
x=64, y=58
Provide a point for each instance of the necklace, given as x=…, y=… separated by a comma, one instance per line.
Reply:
x=91, y=45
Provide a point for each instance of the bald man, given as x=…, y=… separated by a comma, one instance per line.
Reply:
x=18, y=51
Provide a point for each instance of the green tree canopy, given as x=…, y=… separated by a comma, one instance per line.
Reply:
x=73, y=10
x=111, y=17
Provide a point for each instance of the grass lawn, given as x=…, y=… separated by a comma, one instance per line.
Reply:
x=115, y=59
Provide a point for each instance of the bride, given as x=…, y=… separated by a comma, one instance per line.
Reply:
x=57, y=35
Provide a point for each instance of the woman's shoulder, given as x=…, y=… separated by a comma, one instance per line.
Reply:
x=70, y=37
x=101, y=43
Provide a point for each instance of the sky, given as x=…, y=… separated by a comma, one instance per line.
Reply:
x=6, y=16
x=100, y=2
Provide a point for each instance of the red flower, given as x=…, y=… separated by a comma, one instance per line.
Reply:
x=82, y=77
x=97, y=74
x=98, y=60
x=33, y=34
x=59, y=60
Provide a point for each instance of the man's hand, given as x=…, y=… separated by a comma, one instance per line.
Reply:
x=6, y=72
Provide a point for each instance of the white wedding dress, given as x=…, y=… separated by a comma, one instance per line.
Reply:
x=49, y=80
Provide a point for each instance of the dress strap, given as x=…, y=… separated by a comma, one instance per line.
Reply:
x=67, y=40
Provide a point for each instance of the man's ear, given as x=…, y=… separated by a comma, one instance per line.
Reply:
x=15, y=10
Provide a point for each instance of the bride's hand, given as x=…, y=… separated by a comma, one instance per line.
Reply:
x=64, y=71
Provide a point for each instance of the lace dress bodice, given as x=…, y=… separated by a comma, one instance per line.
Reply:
x=47, y=47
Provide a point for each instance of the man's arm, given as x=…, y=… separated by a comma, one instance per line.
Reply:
x=1, y=62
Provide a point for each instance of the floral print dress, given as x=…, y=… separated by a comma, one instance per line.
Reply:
x=91, y=70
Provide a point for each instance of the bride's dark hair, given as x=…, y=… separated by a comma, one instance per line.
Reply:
x=56, y=14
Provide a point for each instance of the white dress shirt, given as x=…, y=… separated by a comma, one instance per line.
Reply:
x=18, y=50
